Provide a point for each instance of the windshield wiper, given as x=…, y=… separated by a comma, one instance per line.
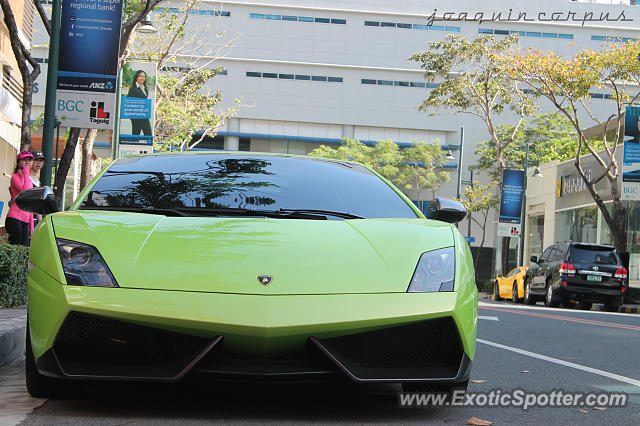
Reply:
x=344, y=215
x=149, y=210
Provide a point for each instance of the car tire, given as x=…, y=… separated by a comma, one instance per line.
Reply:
x=529, y=298
x=613, y=306
x=550, y=299
x=496, y=291
x=41, y=386
x=431, y=388
x=586, y=306
x=514, y=293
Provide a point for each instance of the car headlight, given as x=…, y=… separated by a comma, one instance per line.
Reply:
x=83, y=265
x=435, y=271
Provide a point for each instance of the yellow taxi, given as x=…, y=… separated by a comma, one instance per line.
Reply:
x=511, y=285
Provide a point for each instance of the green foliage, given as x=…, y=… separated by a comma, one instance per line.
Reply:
x=13, y=275
x=185, y=108
x=550, y=137
x=480, y=198
x=416, y=168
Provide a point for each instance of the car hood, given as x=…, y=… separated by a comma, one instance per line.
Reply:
x=227, y=255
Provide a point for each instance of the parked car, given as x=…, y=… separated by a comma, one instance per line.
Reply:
x=247, y=266
x=511, y=285
x=572, y=271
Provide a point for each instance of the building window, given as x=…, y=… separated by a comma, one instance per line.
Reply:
x=334, y=79
x=404, y=25
x=287, y=76
x=205, y=12
x=368, y=81
x=292, y=18
x=254, y=74
x=269, y=75
x=318, y=78
x=399, y=83
x=303, y=77
x=372, y=24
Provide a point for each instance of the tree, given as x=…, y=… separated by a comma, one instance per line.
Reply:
x=24, y=61
x=480, y=199
x=384, y=157
x=550, y=137
x=421, y=168
x=416, y=168
x=473, y=81
x=566, y=83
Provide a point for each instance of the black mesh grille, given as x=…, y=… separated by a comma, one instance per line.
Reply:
x=93, y=345
x=426, y=349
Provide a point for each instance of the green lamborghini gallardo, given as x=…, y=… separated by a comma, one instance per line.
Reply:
x=245, y=266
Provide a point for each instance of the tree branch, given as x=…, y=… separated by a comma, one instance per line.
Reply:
x=43, y=15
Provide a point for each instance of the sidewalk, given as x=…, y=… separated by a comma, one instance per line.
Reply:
x=625, y=309
x=13, y=324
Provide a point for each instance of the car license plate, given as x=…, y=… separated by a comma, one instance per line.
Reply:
x=595, y=278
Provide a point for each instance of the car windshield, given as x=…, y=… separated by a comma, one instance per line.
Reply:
x=594, y=254
x=219, y=182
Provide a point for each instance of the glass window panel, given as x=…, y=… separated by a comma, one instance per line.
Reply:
x=286, y=76
x=318, y=78
x=401, y=83
x=520, y=33
x=303, y=77
x=501, y=32
x=417, y=84
x=533, y=34
x=420, y=27
x=598, y=38
x=270, y=75
x=274, y=17
x=387, y=24
x=335, y=79
x=256, y=15
x=385, y=82
x=338, y=21
x=485, y=31
x=453, y=29
x=289, y=18
x=566, y=36
x=323, y=20
x=305, y=18
x=549, y=35
x=371, y=23
x=401, y=25
x=254, y=74
x=437, y=28
x=368, y=81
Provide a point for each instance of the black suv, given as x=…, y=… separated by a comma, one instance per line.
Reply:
x=571, y=271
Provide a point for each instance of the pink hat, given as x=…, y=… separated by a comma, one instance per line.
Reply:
x=24, y=154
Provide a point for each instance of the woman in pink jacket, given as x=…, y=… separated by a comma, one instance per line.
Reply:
x=19, y=224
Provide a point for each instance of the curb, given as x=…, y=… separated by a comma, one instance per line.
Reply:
x=622, y=309
x=13, y=326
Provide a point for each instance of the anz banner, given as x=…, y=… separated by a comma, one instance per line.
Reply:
x=88, y=63
x=511, y=203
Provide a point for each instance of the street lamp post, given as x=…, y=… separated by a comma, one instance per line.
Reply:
x=460, y=163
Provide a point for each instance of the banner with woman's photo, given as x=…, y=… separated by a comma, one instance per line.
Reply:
x=137, y=106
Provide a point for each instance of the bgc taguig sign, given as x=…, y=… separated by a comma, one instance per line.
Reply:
x=88, y=63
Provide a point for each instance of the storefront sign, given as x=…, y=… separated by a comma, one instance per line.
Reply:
x=137, y=103
x=88, y=63
x=511, y=203
x=631, y=171
x=573, y=183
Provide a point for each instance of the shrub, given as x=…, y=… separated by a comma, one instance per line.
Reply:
x=13, y=275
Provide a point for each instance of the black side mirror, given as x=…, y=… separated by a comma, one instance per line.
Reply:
x=40, y=200
x=534, y=259
x=446, y=210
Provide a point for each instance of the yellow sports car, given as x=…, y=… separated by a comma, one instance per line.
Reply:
x=510, y=286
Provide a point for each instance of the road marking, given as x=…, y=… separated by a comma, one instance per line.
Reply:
x=548, y=309
x=564, y=318
x=488, y=318
x=565, y=363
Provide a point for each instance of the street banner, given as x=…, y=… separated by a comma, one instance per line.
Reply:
x=632, y=122
x=631, y=171
x=137, y=105
x=125, y=150
x=511, y=203
x=88, y=63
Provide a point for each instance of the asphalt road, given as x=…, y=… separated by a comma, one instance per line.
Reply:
x=535, y=349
